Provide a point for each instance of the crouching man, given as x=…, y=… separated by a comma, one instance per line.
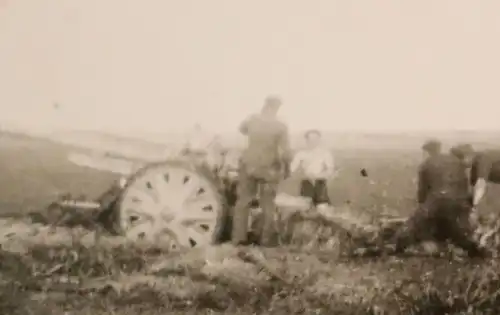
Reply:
x=444, y=206
x=316, y=164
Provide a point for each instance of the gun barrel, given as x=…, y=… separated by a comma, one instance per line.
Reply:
x=91, y=205
x=104, y=163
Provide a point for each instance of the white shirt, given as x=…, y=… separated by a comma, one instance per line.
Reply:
x=315, y=163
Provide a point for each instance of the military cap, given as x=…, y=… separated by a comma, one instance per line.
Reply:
x=432, y=146
x=272, y=100
x=462, y=150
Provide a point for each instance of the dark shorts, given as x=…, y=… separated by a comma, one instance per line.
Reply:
x=317, y=190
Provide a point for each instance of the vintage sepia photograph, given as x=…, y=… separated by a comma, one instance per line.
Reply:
x=249, y=157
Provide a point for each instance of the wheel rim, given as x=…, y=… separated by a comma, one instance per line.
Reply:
x=170, y=204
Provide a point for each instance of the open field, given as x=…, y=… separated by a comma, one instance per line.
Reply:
x=76, y=271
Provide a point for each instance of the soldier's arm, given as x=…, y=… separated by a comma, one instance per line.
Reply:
x=423, y=184
x=483, y=165
x=244, y=126
x=296, y=162
x=284, y=145
x=285, y=149
x=329, y=164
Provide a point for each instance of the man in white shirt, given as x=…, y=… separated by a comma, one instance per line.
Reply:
x=316, y=164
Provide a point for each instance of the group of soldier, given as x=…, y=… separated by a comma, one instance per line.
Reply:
x=450, y=185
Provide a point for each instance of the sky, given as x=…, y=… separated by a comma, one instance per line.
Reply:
x=162, y=65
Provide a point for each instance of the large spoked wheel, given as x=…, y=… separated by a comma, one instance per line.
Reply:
x=171, y=202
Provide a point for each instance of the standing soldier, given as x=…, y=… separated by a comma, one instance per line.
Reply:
x=444, y=206
x=263, y=165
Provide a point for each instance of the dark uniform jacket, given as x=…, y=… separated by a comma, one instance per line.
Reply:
x=268, y=146
x=445, y=205
x=440, y=176
x=486, y=165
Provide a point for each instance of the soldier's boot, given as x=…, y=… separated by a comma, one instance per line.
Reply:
x=472, y=248
x=241, y=215
x=460, y=238
x=246, y=191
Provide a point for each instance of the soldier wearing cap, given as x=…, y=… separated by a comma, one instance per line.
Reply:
x=264, y=163
x=431, y=148
x=484, y=168
x=444, y=206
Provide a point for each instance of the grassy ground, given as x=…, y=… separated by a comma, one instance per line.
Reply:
x=76, y=271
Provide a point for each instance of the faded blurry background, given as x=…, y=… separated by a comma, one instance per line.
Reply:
x=154, y=68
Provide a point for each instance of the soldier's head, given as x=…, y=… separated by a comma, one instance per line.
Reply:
x=272, y=104
x=313, y=138
x=431, y=148
x=465, y=152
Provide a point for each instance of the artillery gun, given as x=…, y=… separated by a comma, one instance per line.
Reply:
x=179, y=199
x=183, y=199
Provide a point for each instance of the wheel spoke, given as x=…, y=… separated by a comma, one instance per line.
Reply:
x=174, y=177
x=191, y=187
x=207, y=204
x=144, y=231
x=148, y=211
x=203, y=227
x=189, y=217
x=140, y=201
x=140, y=216
x=195, y=237
x=141, y=194
x=186, y=186
x=178, y=233
x=160, y=186
x=201, y=195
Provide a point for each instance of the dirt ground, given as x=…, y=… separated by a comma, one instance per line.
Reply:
x=76, y=271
